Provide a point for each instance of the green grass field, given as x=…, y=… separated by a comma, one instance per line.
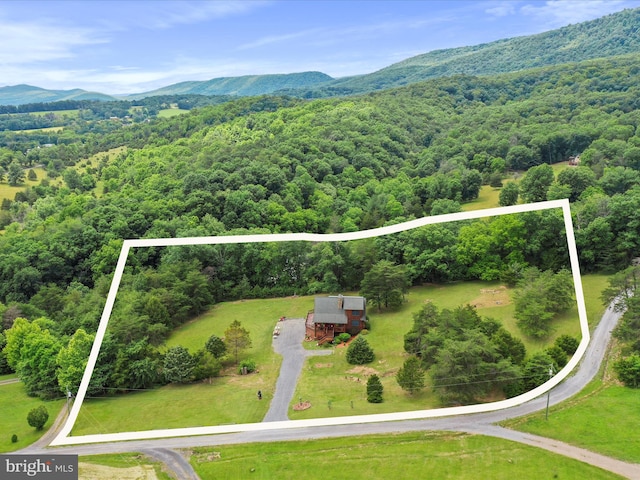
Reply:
x=41, y=130
x=14, y=407
x=231, y=398
x=171, y=112
x=9, y=192
x=603, y=418
x=488, y=196
x=228, y=399
x=439, y=455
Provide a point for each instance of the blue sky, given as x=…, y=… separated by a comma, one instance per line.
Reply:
x=125, y=46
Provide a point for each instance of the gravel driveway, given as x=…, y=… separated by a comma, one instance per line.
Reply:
x=289, y=345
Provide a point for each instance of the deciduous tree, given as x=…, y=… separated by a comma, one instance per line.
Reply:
x=178, y=365
x=237, y=339
x=385, y=284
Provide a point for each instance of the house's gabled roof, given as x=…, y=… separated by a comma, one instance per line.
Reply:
x=332, y=309
x=354, y=303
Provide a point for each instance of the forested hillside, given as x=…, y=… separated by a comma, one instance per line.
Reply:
x=608, y=36
x=241, y=86
x=278, y=164
x=19, y=94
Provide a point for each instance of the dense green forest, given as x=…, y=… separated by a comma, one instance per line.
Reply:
x=281, y=164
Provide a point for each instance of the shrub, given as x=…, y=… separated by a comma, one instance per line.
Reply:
x=359, y=352
x=343, y=337
x=248, y=365
x=37, y=417
x=216, y=346
x=558, y=354
x=374, y=389
x=14, y=438
x=364, y=332
x=628, y=370
x=567, y=343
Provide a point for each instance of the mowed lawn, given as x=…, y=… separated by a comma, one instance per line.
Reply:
x=333, y=387
x=416, y=455
x=14, y=408
x=231, y=398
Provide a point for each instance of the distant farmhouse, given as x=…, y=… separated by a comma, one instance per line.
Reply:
x=334, y=315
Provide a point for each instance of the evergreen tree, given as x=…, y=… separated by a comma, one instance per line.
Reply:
x=410, y=377
x=360, y=352
x=374, y=389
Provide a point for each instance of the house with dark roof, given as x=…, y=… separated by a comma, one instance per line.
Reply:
x=334, y=315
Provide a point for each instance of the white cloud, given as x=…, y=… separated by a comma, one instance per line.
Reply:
x=273, y=39
x=35, y=41
x=169, y=13
x=557, y=13
x=501, y=9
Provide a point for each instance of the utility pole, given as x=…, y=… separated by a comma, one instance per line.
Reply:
x=546, y=417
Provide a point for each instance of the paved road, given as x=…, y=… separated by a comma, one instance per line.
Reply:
x=9, y=381
x=289, y=345
x=481, y=423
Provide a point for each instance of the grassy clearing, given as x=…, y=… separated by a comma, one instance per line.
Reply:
x=336, y=388
x=58, y=113
x=487, y=198
x=603, y=419
x=9, y=192
x=41, y=130
x=439, y=455
x=171, y=112
x=14, y=407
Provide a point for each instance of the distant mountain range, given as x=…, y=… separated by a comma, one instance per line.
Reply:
x=615, y=34
x=21, y=94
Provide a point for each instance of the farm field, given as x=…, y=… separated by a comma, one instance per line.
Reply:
x=170, y=112
x=440, y=455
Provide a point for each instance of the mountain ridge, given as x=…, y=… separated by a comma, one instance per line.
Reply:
x=607, y=36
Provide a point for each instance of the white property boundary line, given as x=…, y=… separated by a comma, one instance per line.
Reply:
x=64, y=437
